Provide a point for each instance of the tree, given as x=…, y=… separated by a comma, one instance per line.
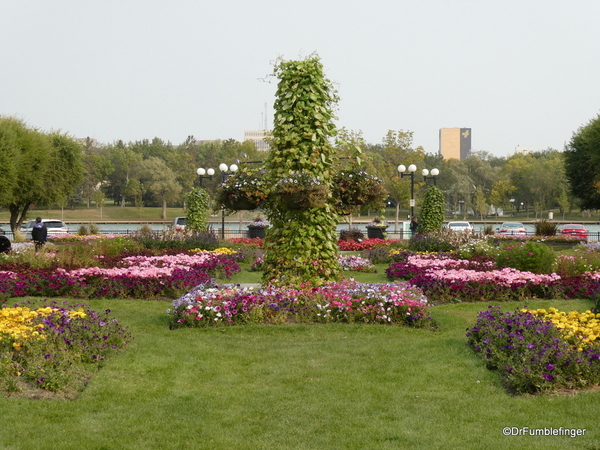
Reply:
x=47, y=167
x=582, y=164
x=160, y=181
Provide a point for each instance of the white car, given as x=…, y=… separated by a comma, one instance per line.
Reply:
x=179, y=223
x=54, y=227
x=459, y=226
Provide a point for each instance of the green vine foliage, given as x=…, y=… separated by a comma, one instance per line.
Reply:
x=300, y=246
x=433, y=210
x=197, y=206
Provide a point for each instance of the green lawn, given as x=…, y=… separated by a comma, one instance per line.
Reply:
x=297, y=387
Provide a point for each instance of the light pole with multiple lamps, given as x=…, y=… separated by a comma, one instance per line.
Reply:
x=226, y=172
x=411, y=173
x=203, y=173
x=434, y=175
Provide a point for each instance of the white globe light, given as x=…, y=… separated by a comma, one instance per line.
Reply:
x=211, y=172
x=412, y=168
x=401, y=168
x=234, y=168
x=223, y=167
x=424, y=172
x=435, y=172
x=200, y=171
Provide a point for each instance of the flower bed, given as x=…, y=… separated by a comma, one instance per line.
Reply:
x=531, y=354
x=348, y=301
x=134, y=277
x=367, y=244
x=52, y=345
x=445, y=278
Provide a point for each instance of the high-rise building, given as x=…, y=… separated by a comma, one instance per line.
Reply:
x=455, y=143
x=258, y=137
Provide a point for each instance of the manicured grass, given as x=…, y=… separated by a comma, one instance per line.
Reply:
x=297, y=387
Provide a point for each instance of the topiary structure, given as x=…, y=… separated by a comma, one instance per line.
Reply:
x=433, y=210
x=197, y=205
x=301, y=245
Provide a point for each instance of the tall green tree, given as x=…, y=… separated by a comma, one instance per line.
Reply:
x=47, y=166
x=582, y=164
x=159, y=180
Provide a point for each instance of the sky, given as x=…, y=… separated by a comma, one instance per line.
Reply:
x=518, y=73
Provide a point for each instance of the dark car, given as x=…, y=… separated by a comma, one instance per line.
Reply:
x=577, y=230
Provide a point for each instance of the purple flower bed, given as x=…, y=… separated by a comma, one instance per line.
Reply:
x=530, y=354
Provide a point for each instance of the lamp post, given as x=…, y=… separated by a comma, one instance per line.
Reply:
x=225, y=173
x=203, y=173
x=434, y=175
x=411, y=173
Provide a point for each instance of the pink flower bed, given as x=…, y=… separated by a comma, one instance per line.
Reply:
x=136, y=277
x=447, y=279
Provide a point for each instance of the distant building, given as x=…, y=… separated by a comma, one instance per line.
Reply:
x=524, y=150
x=258, y=137
x=455, y=143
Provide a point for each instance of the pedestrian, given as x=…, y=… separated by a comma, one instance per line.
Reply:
x=414, y=224
x=39, y=233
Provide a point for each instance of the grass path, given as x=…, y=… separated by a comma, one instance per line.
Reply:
x=296, y=387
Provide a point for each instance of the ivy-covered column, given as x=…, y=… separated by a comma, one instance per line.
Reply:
x=301, y=245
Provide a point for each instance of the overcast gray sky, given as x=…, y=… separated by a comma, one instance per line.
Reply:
x=520, y=72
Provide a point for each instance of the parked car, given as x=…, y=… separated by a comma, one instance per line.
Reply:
x=512, y=228
x=573, y=229
x=54, y=227
x=459, y=226
x=179, y=223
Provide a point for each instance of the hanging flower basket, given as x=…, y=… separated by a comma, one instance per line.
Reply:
x=244, y=190
x=301, y=191
x=355, y=188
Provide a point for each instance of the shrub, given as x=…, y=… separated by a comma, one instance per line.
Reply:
x=94, y=229
x=186, y=239
x=530, y=256
x=83, y=230
x=429, y=243
x=545, y=228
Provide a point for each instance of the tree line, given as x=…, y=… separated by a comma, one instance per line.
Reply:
x=39, y=168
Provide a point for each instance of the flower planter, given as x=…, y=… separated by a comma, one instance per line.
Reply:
x=304, y=198
x=376, y=232
x=256, y=232
x=240, y=204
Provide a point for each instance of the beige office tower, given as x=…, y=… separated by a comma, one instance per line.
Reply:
x=455, y=143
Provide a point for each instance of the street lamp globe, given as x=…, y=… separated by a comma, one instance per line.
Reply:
x=412, y=168
x=424, y=172
x=210, y=171
x=223, y=167
x=435, y=172
x=401, y=168
x=233, y=167
x=201, y=171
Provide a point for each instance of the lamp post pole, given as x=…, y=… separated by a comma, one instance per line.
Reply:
x=434, y=175
x=225, y=174
x=203, y=173
x=411, y=173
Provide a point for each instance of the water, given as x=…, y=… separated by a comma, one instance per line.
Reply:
x=232, y=228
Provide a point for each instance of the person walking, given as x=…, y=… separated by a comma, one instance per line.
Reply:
x=414, y=224
x=39, y=233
